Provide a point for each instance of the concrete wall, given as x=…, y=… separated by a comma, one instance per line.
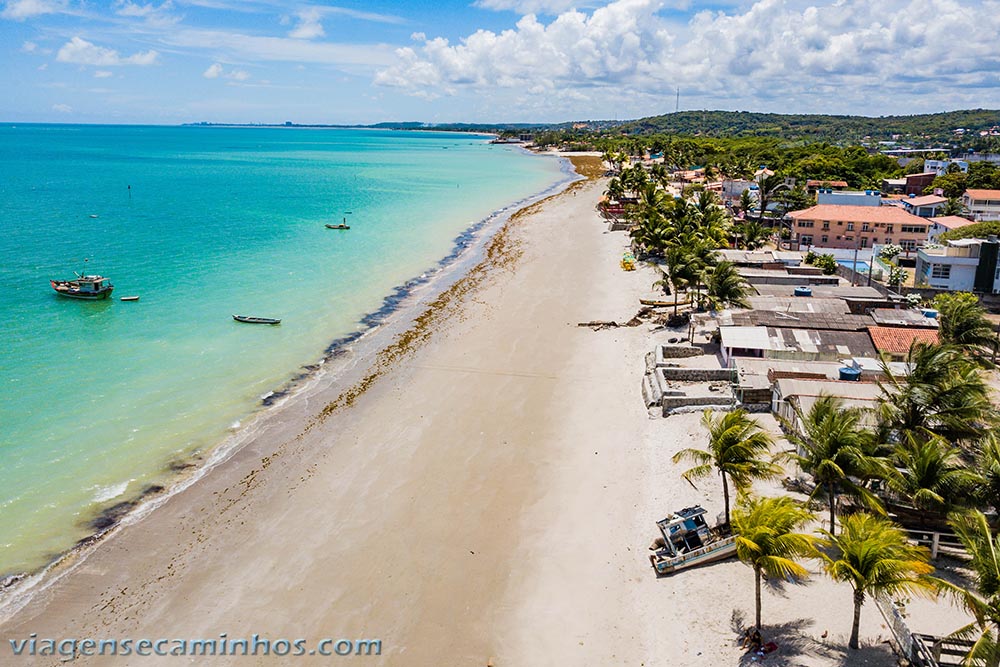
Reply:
x=696, y=374
x=724, y=399
x=676, y=352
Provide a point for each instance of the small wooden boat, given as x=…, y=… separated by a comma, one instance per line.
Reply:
x=89, y=288
x=255, y=320
x=340, y=226
x=130, y=298
x=689, y=541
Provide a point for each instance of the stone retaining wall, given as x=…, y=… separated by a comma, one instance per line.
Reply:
x=696, y=374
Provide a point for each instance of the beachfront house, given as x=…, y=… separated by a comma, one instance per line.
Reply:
x=787, y=343
x=840, y=226
x=940, y=167
x=787, y=394
x=963, y=265
x=982, y=204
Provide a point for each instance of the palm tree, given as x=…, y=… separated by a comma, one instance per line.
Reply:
x=725, y=286
x=930, y=473
x=963, y=323
x=682, y=270
x=943, y=393
x=874, y=557
x=988, y=471
x=736, y=449
x=982, y=600
x=837, y=450
x=766, y=539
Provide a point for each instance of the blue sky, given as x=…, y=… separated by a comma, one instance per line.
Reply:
x=174, y=61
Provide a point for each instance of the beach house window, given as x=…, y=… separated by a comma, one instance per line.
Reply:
x=806, y=240
x=908, y=244
x=865, y=227
x=864, y=241
x=888, y=230
x=913, y=229
x=805, y=223
x=942, y=271
x=824, y=239
x=850, y=226
x=826, y=224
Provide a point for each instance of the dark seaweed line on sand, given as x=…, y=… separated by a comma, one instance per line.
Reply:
x=396, y=300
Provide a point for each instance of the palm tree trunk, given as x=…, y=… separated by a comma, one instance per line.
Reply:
x=676, y=295
x=832, y=491
x=725, y=495
x=756, y=572
x=859, y=599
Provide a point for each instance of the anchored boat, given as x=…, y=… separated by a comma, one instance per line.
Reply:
x=90, y=288
x=255, y=320
x=689, y=541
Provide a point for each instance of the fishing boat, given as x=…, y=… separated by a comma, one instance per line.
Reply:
x=130, y=298
x=255, y=320
x=90, y=288
x=340, y=226
x=688, y=541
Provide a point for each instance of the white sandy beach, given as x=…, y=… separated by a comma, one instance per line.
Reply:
x=488, y=500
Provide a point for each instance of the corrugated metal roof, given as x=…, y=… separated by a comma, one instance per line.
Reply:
x=802, y=320
x=795, y=304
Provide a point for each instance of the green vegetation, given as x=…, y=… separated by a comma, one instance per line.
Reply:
x=738, y=449
x=963, y=323
x=826, y=262
x=834, y=447
x=979, y=230
x=874, y=557
x=767, y=541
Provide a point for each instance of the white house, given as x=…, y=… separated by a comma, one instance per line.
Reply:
x=945, y=223
x=941, y=166
x=982, y=204
x=926, y=206
x=963, y=265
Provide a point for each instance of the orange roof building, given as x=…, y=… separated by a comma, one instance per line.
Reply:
x=896, y=341
x=842, y=226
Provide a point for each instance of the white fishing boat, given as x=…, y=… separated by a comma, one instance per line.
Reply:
x=689, y=541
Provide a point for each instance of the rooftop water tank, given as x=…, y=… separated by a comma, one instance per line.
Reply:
x=848, y=373
x=803, y=291
x=930, y=312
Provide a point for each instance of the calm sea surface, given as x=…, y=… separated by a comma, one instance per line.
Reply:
x=201, y=223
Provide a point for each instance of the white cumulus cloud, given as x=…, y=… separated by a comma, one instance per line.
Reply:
x=791, y=53
x=20, y=10
x=79, y=51
x=103, y=74
x=309, y=26
x=62, y=108
x=213, y=71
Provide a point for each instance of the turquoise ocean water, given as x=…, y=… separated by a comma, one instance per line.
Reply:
x=99, y=398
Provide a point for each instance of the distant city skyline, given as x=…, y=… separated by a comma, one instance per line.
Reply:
x=271, y=61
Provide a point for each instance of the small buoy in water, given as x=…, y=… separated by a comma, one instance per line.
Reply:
x=130, y=298
x=93, y=215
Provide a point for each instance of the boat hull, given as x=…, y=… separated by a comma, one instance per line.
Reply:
x=720, y=550
x=247, y=319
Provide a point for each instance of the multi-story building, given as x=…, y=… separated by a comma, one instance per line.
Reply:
x=940, y=167
x=838, y=226
x=982, y=204
x=964, y=265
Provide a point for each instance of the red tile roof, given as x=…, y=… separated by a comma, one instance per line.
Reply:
x=983, y=194
x=846, y=213
x=897, y=340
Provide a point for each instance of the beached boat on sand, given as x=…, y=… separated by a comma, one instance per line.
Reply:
x=688, y=541
x=340, y=226
x=90, y=288
x=255, y=320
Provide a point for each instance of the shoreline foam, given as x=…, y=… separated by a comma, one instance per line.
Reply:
x=399, y=320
